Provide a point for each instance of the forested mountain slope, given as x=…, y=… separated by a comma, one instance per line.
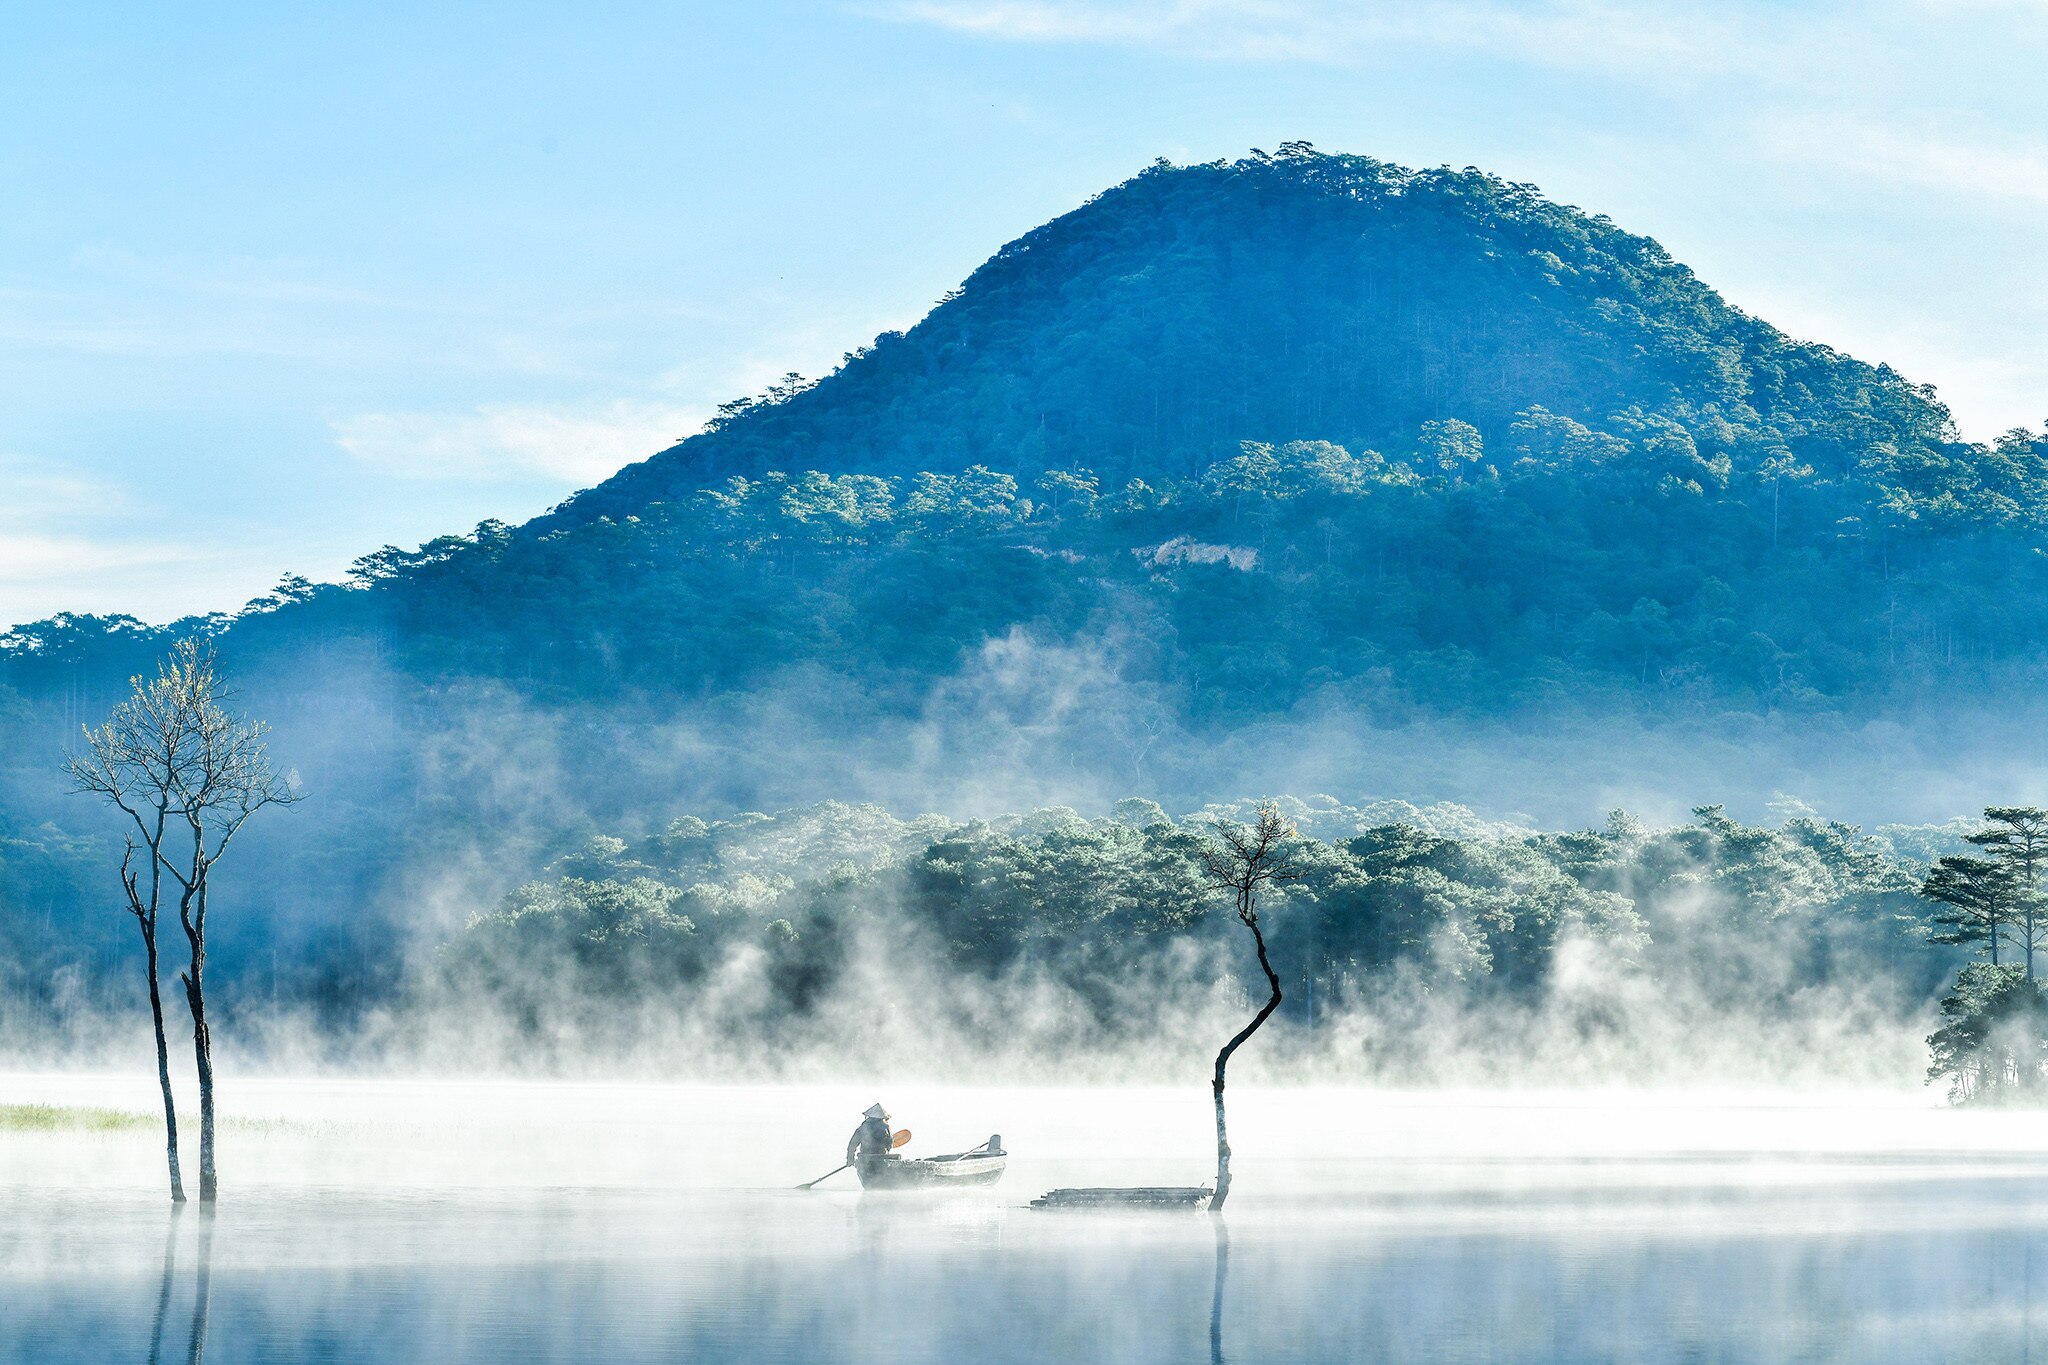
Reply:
x=1297, y=422
x=1300, y=473
x=1301, y=296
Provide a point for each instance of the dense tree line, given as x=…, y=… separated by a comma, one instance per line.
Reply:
x=1746, y=917
x=1434, y=579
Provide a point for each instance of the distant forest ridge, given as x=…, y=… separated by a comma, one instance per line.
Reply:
x=1457, y=445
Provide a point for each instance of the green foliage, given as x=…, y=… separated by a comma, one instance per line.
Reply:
x=1166, y=412
x=1993, y=1035
x=1107, y=906
x=1308, y=296
x=1979, y=901
x=1287, y=435
x=1652, y=589
x=56, y=911
x=1994, y=903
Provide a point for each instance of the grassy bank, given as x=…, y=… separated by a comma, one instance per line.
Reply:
x=45, y=1118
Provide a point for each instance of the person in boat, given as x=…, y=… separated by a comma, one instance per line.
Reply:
x=872, y=1140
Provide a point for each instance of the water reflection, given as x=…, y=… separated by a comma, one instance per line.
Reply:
x=163, y=1293
x=1627, y=1233
x=1216, y=1295
x=202, y=1289
x=1925, y=1271
x=202, y=1299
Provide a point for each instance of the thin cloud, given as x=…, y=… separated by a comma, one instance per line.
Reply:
x=1980, y=167
x=32, y=558
x=59, y=529
x=39, y=492
x=575, y=445
x=1731, y=51
x=1575, y=34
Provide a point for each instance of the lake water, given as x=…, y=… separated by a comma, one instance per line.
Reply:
x=446, y=1221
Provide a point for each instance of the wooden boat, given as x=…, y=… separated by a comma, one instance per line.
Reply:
x=959, y=1171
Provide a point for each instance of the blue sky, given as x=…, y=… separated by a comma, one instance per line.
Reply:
x=280, y=284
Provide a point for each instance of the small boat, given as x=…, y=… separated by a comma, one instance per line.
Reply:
x=960, y=1171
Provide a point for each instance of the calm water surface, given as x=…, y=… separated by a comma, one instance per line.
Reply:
x=433, y=1222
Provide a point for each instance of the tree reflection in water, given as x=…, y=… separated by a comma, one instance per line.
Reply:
x=163, y=1294
x=1216, y=1296
x=202, y=1299
x=202, y=1296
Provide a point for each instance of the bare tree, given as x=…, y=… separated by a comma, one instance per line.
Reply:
x=189, y=773
x=132, y=761
x=1244, y=860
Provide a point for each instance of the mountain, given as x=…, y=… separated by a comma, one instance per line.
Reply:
x=1297, y=296
x=1296, y=473
x=1291, y=427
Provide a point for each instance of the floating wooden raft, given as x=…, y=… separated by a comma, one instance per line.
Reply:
x=1142, y=1197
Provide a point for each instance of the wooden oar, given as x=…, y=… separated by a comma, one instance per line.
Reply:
x=902, y=1136
x=827, y=1176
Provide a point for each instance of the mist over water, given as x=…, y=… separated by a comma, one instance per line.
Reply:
x=1596, y=1171
x=467, y=1221
x=1614, y=678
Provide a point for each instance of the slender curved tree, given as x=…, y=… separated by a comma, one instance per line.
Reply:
x=133, y=762
x=1244, y=860
x=189, y=773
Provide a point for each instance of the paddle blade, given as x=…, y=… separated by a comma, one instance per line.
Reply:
x=902, y=1136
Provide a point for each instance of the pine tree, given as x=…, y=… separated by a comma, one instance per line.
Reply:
x=1979, y=899
x=2018, y=841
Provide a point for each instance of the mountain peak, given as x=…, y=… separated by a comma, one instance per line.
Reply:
x=1296, y=295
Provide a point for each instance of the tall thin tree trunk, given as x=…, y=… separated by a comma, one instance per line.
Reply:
x=192, y=916
x=1223, y=1060
x=163, y=1067
x=202, y=1052
x=2027, y=864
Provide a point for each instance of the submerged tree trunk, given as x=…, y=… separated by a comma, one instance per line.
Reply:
x=1223, y=1060
x=202, y=1052
x=147, y=919
x=163, y=1067
x=1242, y=859
x=192, y=915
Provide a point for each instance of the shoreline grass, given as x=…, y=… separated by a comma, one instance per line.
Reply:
x=77, y=1118
x=51, y=1118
